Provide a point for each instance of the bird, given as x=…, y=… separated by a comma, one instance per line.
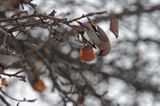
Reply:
x=97, y=36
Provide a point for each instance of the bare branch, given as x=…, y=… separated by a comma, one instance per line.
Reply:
x=18, y=100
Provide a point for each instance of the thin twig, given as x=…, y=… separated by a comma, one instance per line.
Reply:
x=18, y=100
x=15, y=75
x=29, y=16
x=89, y=14
x=4, y=100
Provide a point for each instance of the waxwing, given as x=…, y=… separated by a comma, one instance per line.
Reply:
x=97, y=37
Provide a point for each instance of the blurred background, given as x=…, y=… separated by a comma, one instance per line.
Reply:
x=128, y=76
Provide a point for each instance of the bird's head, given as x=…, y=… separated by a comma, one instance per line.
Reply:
x=83, y=26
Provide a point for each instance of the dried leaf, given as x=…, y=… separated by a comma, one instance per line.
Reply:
x=87, y=53
x=9, y=5
x=46, y=51
x=4, y=82
x=114, y=26
x=80, y=99
x=39, y=86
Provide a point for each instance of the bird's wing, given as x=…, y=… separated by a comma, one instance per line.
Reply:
x=103, y=36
